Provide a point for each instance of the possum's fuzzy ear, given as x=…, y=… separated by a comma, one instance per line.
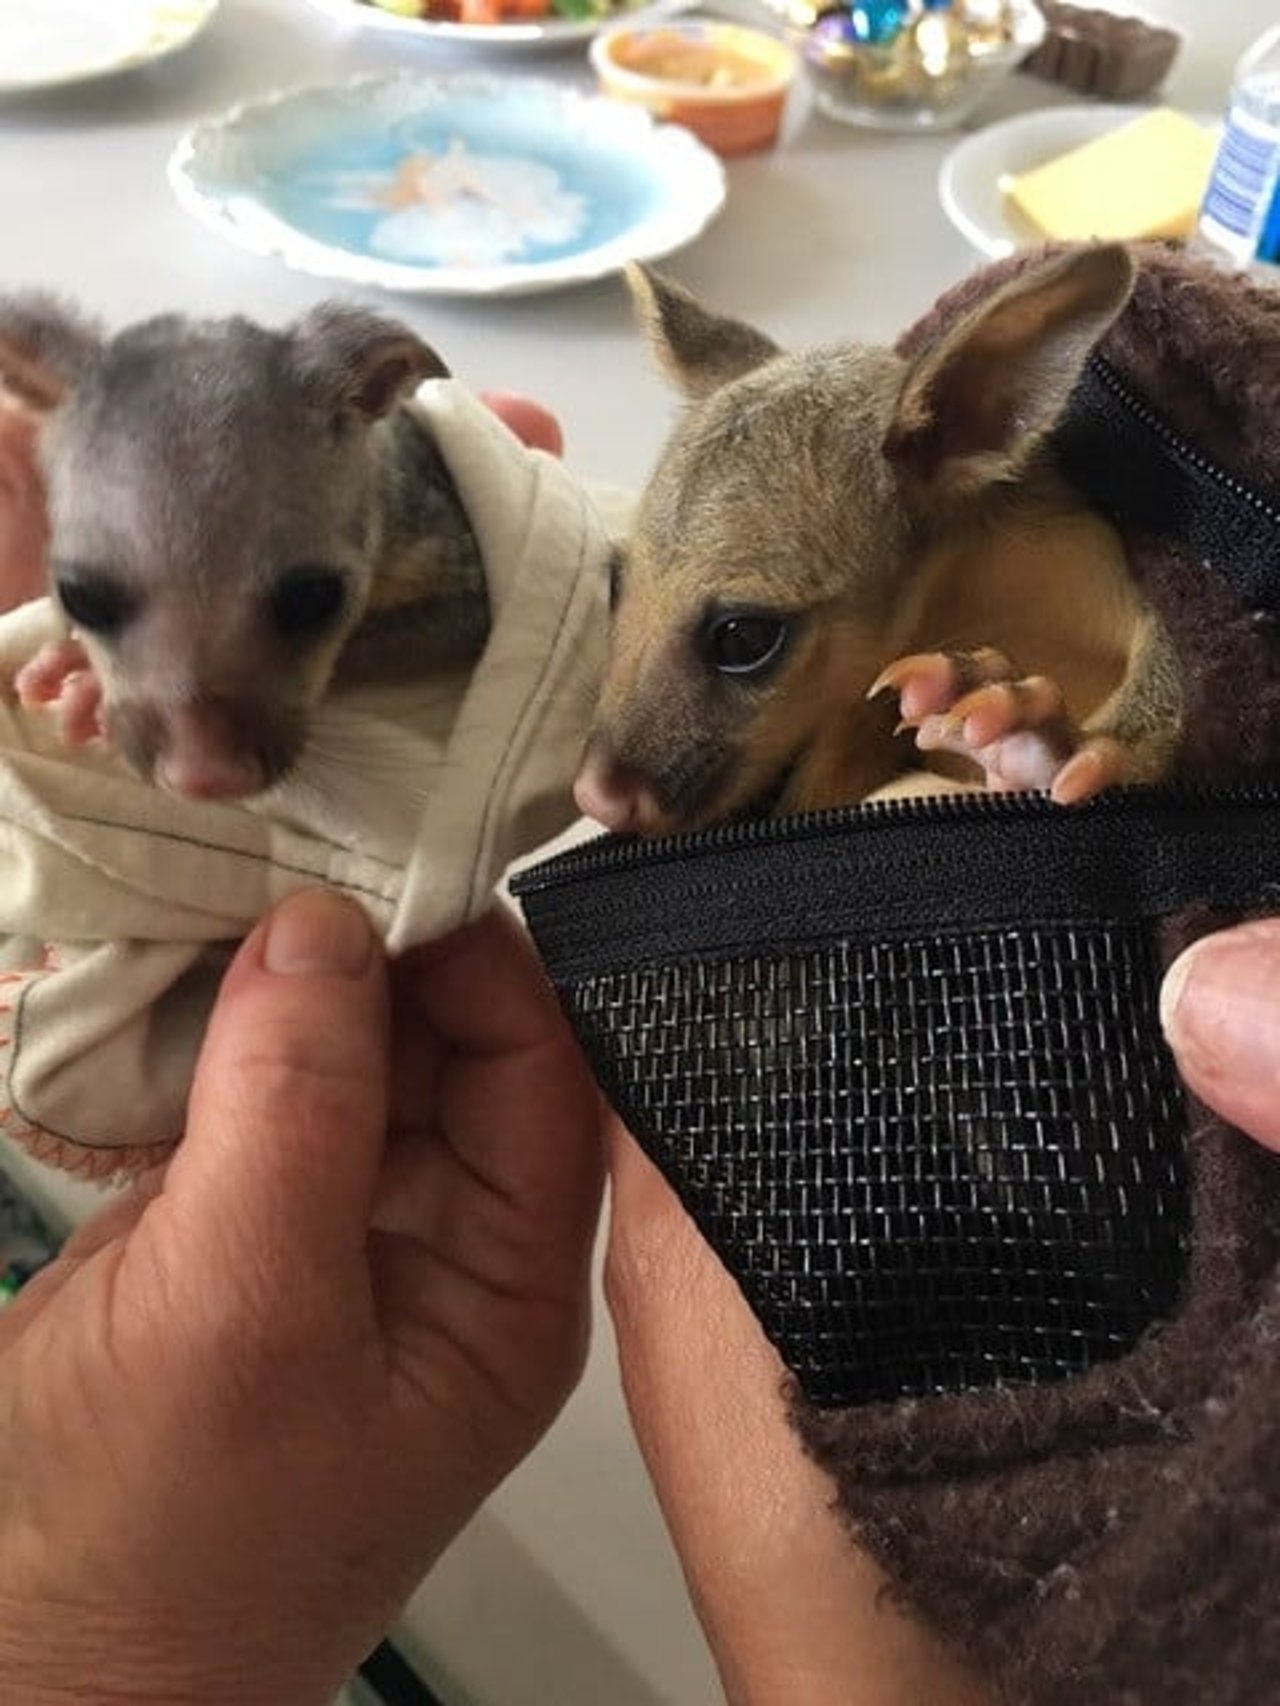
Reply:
x=355, y=361
x=46, y=348
x=699, y=350
x=974, y=406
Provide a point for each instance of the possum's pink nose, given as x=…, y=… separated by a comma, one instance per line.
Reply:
x=208, y=776
x=615, y=795
x=200, y=752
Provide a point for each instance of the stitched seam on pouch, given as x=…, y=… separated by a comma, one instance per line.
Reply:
x=33, y=1130
x=15, y=1122
x=198, y=842
x=14, y=1044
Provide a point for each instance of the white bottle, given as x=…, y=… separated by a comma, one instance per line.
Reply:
x=1239, y=220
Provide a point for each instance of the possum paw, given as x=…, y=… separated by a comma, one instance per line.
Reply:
x=1015, y=728
x=60, y=675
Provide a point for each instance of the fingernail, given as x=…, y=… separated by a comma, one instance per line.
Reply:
x=317, y=932
x=1220, y=1006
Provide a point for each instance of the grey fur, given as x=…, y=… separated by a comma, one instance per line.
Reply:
x=190, y=465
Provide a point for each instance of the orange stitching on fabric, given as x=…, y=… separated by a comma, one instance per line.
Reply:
x=94, y=1164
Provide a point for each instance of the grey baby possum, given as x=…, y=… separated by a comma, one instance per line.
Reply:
x=238, y=516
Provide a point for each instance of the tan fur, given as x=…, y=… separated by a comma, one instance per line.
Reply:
x=880, y=508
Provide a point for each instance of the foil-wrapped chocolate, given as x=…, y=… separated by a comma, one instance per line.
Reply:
x=901, y=53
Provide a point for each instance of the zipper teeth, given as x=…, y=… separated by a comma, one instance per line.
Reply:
x=1174, y=440
x=611, y=853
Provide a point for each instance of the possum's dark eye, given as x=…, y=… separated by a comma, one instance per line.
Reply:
x=744, y=642
x=94, y=601
x=304, y=601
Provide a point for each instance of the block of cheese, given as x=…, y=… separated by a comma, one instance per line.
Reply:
x=1144, y=179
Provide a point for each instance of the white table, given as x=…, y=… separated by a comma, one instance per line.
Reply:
x=564, y=1591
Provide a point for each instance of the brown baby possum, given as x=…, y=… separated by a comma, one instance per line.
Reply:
x=830, y=531
x=237, y=515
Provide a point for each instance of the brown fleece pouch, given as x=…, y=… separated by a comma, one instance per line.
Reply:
x=903, y=1065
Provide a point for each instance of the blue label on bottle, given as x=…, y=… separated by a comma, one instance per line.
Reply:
x=1243, y=181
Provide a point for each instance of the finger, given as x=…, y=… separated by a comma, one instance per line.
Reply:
x=115, y=1220
x=666, y=1290
x=1220, y=1008
x=23, y=529
x=481, y=989
x=288, y=1107
x=117, y=1217
x=514, y=1103
x=704, y=1386
x=532, y=424
x=781, y=1589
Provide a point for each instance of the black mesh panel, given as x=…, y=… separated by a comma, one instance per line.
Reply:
x=904, y=1064
x=930, y=1164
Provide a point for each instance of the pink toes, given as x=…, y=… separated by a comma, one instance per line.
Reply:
x=60, y=675
x=1099, y=764
x=1016, y=729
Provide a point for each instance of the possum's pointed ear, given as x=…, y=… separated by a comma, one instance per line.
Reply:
x=699, y=350
x=46, y=348
x=355, y=361
x=974, y=406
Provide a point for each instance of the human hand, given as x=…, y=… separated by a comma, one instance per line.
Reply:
x=532, y=424
x=793, y=1611
x=256, y=1396
x=22, y=517
x=1220, y=1008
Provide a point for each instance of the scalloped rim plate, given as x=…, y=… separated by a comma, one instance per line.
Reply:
x=969, y=181
x=51, y=44
x=551, y=32
x=462, y=185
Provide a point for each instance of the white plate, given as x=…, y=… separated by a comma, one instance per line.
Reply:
x=970, y=182
x=535, y=32
x=46, y=44
x=460, y=185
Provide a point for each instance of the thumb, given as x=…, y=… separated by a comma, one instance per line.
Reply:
x=1220, y=1008
x=288, y=1109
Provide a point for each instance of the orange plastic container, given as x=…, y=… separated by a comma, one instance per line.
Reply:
x=727, y=84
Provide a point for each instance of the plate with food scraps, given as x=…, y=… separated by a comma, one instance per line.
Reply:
x=459, y=184
x=497, y=23
x=49, y=44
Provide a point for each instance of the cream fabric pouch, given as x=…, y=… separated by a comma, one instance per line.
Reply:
x=120, y=904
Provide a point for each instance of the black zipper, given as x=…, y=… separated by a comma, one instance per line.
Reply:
x=619, y=852
x=899, y=869
x=1142, y=473
x=1177, y=445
